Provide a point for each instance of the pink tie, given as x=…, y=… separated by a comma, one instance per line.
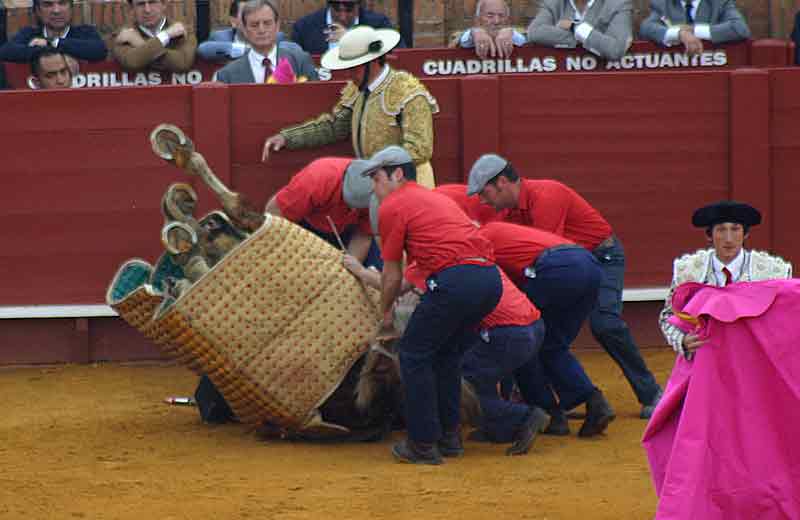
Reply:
x=728, y=277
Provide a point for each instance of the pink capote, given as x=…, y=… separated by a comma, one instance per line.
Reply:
x=724, y=442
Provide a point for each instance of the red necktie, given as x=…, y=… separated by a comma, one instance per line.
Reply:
x=728, y=277
x=267, y=69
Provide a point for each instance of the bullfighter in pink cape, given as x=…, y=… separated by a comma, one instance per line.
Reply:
x=720, y=443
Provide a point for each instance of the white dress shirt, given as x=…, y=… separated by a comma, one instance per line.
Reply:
x=735, y=268
x=257, y=62
x=161, y=34
x=55, y=39
x=701, y=30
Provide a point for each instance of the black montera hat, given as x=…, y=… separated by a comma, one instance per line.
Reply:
x=726, y=211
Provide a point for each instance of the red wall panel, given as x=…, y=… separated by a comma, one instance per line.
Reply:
x=82, y=188
x=784, y=133
x=644, y=149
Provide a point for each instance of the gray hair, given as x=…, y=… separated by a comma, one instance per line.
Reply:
x=251, y=6
x=480, y=4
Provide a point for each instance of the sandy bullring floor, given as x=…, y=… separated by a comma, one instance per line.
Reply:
x=97, y=442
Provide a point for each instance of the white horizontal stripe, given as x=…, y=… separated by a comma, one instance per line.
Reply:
x=56, y=311
x=648, y=294
x=645, y=294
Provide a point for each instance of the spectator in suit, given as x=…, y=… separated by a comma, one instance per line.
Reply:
x=322, y=30
x=261, y=23
x=492, y=35
x=228, y=44
x=79, y=41
x=153, y=42
x=50, y=69
x=689, y=22
x=603, y=27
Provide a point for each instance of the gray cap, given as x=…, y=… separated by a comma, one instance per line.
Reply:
x=374, y=204
x=356, y=188
x=486, y=168
x=390, y=156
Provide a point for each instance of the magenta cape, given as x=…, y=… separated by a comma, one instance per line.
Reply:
x=724, y=442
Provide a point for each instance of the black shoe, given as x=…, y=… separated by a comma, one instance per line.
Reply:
x=523, y=439
x=598, y=415
x=558, y=424
x=450, y=445
x=411, y=452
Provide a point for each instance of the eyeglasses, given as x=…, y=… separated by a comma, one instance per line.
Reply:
x=342, y=6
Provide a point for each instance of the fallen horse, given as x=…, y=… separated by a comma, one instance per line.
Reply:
x=262, y=307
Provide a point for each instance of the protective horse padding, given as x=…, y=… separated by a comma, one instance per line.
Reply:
x=276, y=324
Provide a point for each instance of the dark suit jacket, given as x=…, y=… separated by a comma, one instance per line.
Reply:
x=82, y=42
x=307, y=31
x=239, y=71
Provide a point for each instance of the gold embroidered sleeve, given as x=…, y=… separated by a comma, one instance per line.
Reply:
x=326, y=128
x=417, y=121
x=323, y=129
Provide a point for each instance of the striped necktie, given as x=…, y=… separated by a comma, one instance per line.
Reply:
x=267, y=69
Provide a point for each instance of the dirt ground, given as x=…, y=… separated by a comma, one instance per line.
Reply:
x=98, y=442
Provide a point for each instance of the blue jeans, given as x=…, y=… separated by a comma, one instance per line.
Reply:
x=487, y=362
x=563, y=285
x=430, y=351
x=611, y=331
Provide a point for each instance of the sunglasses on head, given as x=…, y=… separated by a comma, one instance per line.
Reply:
x=342, y=6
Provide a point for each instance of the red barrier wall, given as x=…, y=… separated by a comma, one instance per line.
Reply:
x=83, y=189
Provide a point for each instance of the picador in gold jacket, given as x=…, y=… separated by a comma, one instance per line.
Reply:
x=153, y=42
x=391, y=107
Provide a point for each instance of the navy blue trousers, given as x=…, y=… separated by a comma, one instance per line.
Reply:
x=430, y=351
x=563, y=285
x=611, y=331
x=487, y=362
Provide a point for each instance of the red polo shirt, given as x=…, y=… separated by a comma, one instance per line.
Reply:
x=516, y=247
x=432, y=230
x=514, y=308
x=315, y=192
x=470, y=204
x=557, y=208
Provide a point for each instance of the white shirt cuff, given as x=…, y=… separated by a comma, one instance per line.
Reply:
x=671, y=36
x=237, y=49
x=466, y=40
x=519, y=39
x=703, y=31
x=582, y=31
x=163, y=38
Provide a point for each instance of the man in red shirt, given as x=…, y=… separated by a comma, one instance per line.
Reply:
x=463, y=287
x=554, y=207
x=506, y=344
x=329, y=187
x=561, y=278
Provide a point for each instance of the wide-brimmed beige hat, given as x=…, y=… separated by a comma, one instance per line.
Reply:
x=360, y=45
